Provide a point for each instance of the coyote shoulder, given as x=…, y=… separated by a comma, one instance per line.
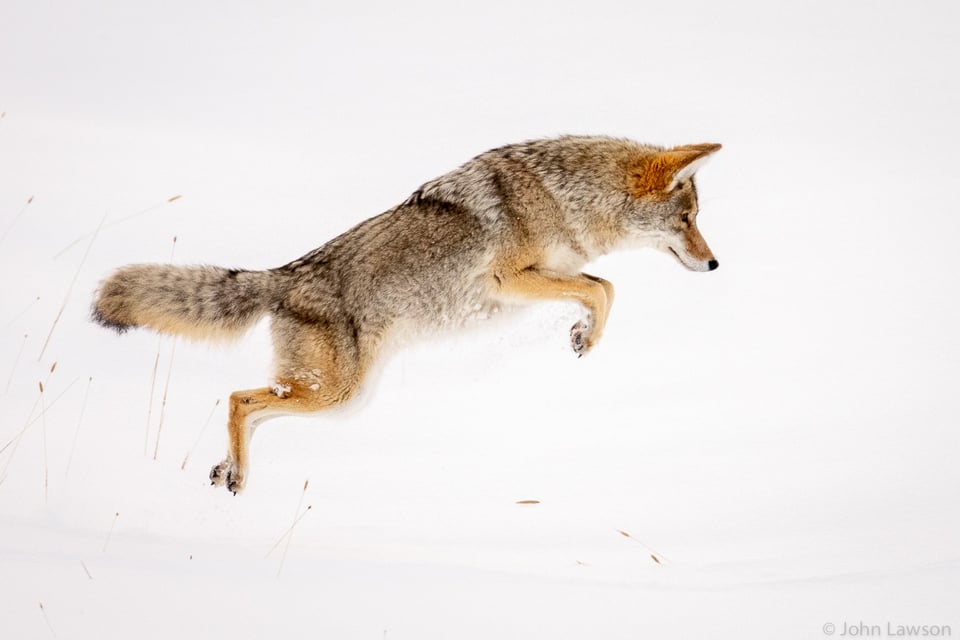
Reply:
x=516, y=223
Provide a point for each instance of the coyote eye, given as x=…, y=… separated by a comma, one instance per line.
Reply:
x=685, y=218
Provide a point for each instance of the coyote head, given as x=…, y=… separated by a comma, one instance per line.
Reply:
x=664, y=204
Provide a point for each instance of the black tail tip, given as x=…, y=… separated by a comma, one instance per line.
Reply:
x=103, y=321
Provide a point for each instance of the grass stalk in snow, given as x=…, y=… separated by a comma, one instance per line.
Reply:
x=286, y=533
x=15, y=441
x=46, y=464
x=153, y=382
x=47, y=620
x=31, y=420
x=16, y=361
x=76, y=433
x=200, y=437
x=153, y=386
x=21, y=314
x=43, y=422
x=163, y=402
x=66, y=298
x=50, y=406
x=656, y=557
x=15, y=219
x=283, y=558
x=110, y=532
x=136, y=214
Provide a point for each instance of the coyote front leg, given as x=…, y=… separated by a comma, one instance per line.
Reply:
x=593, y=293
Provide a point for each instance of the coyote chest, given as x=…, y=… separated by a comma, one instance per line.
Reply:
x=563, y=258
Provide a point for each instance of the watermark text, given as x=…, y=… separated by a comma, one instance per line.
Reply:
x=861, y=629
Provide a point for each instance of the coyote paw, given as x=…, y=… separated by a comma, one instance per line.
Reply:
x=580, y=338
x=228, y=474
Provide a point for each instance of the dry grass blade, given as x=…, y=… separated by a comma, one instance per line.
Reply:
x=46, y=464
x=16, y=361
x=59, y=395
x=200, y=437
x=66, y=298
x=21, y=314
x=15, y=441
x=85, y=570
x=76, y=433
x=166, y=387
x=15, y=219
x=114, y=223
x=47, y=619
x=286, y=533
x=110, y=532
x=653, y=554
x=32, y=421
x=153, y=387
x=283, y=558
x=163, y=402
x=527, y=502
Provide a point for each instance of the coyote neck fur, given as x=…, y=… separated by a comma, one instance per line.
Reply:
x=582, y=193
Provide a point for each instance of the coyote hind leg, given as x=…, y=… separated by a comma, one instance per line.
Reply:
x=247, y=410
x=319, y=367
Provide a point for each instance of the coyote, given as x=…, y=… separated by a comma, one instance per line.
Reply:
x=515, y=224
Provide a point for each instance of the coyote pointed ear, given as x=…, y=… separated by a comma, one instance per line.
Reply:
x=664, y=170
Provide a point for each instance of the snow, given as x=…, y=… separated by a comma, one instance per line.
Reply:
x=781, y=433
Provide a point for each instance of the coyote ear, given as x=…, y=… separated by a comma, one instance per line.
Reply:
x=666, y=169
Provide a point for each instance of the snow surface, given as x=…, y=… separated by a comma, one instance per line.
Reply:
x=781, y=433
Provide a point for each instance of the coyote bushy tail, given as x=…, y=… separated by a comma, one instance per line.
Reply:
x=200, y=302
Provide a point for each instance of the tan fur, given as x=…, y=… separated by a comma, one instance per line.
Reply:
x=651, y=175
x=514, y=224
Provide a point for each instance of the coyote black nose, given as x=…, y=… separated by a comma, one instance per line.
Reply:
x=713, y=264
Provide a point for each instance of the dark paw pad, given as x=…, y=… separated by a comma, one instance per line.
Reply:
x=580, y=338
x=220, y=473
x=233, y=484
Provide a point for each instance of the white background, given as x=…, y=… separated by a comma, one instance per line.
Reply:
x=782, y=433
